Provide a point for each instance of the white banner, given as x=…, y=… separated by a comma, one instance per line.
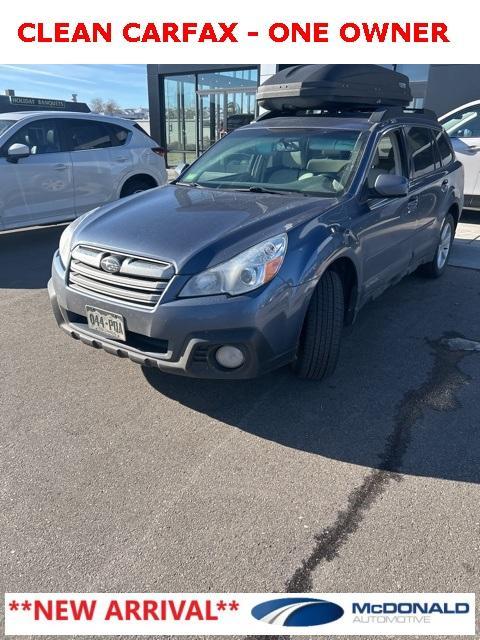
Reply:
x=247, y=32
x=157, y=614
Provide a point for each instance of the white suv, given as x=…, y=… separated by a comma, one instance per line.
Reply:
x=463, y=127
x=54, y=166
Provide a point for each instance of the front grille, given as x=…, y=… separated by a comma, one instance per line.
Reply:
x=139, y=280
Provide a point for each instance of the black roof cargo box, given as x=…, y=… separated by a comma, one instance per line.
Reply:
x=327, y=86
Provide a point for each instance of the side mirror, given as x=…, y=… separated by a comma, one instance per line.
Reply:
x=17, y=151
x=391, y=185
x=180, y=168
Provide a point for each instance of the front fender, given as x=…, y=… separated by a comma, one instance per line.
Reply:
x=314, y=247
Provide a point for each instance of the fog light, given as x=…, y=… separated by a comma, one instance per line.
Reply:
x=229, y=357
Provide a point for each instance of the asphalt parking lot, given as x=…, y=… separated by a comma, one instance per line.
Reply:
x=116, y=478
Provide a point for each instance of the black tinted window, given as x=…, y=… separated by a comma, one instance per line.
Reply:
x=420, y=144
x=40, y=136
x=444, y=148
x=85, y=134
x=120, y=134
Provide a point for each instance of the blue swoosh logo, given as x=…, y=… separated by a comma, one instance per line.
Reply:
x=297, y=612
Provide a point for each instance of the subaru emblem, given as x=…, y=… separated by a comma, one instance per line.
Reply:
x=110, y=264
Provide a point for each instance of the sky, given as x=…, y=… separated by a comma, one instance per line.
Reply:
x=124, y=83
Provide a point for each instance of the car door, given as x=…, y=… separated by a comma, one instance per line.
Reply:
x=386, y=226
x=90, y=142
x=429, y=188
x=463, y=127
x=39, y=188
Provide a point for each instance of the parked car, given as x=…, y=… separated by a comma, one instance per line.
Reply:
x=463, y=127
x=266, y=246
x=56, y=166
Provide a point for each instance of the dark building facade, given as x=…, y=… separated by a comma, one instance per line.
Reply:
x=192, y=106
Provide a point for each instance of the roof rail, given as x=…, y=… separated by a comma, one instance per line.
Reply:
x=392, y=113
x=374, y=115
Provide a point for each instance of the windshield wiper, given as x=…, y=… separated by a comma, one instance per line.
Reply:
x=188, y=184
x=279, y=192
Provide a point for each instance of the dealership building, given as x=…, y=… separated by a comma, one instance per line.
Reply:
x=192, y=106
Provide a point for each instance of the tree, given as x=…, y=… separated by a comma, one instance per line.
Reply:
x=97, y=105
x=111, y=107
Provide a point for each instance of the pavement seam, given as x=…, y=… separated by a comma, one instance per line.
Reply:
x=438, y=393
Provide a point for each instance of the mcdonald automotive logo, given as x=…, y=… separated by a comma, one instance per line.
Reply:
x=297, y=612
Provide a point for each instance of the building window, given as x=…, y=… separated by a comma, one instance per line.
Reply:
x=180, y=113
x=199, y=108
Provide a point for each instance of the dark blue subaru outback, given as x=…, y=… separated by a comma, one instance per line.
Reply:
x=266, y=246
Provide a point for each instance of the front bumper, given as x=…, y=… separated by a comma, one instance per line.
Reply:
x=181, y=335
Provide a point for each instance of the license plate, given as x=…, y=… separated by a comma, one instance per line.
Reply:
x=106, y=322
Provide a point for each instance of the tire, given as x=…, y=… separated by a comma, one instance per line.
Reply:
x=319, y=345
x=136, y=185
x=438, y=265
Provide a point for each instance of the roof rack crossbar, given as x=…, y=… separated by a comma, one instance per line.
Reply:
x=374, y=115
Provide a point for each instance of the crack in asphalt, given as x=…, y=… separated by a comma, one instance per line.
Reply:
x=438, y=392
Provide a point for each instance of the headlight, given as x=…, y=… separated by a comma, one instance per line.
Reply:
x=246, y=272
x=66, y=237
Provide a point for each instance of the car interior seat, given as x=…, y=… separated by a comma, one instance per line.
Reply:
x=286, y=167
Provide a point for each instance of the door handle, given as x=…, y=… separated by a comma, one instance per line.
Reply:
x=474, y=147
x=122, y=159
x=444, y=185
x=60, y=167
x=412, y=204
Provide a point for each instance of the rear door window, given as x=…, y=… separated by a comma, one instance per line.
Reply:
x=422, y=151
x=444, y=147
x=120, y=135
x=88, y=134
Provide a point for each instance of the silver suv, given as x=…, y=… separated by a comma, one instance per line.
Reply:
x=56, y=166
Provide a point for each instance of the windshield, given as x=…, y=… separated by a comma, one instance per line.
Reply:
x=316, y=162
x=4, y=124
x=464, y=124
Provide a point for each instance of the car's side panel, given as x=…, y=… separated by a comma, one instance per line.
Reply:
x=467, y=151
x=37, y=189
x=385, y=229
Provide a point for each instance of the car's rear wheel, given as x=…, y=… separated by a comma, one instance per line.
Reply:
x=319, y=345
x=437, y=266
x=137, y=185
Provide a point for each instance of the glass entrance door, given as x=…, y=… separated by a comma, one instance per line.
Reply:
x=201, y=108
x=211, y=118
x=180, y=119
x=226, y=101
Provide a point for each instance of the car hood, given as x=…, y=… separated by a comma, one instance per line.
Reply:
x=194, y=228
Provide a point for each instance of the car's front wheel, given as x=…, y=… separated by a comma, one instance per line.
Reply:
x=319, y=345
x=437, y=266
